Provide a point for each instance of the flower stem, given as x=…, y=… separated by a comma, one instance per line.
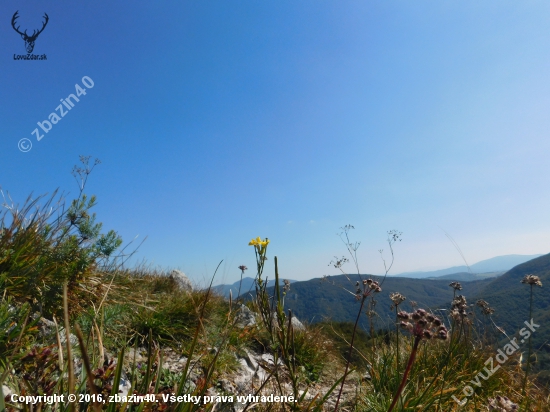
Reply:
x=529, y=351
x=406, y=373
x=349, y=354
x=397, y=337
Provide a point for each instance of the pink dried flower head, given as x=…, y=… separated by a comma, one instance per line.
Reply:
x=455, y=285
x=404, y=315
x=481, y=303
x=378, y=289
x=243, y=268
x=532, y=280
x=502, y=404
x=424, y=325
x=406, y=325
x=421, y=312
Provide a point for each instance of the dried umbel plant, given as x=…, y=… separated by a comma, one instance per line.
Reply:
x=532, y=280
x=455, y=285
x=502, y=404
x=397, y=298
x=459, y=309
x=485, y=308
x=482, y=303
x=423, y=326
x=365, y=288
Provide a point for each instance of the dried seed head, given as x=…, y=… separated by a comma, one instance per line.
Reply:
x=481, y=303
x=532, y=280
x=397, y=298
x=455, y=285
x=488, y=311
x=427, y=335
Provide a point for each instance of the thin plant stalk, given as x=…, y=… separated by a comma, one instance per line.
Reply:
x=397, y=339
x=529, y=350
x=68, y=342
x=406, y=373
x=348, y=361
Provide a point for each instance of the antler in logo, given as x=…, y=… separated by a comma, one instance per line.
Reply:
x=29, y=40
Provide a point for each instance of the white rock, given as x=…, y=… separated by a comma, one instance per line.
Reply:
x=6, y=391
x=124, y=387
x=181, y=279
x=296, y=324
x=245, y=317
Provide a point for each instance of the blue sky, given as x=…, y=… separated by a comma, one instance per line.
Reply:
x=219, y=121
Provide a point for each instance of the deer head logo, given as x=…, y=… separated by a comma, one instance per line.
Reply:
x=29, y=40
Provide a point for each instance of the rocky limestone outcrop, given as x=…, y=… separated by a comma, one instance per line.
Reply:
x=181, y=279
x=245, y=317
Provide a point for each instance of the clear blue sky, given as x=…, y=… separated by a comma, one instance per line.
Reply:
x=219, y=121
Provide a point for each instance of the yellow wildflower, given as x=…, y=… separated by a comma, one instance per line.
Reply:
x=259, y=243
x=255, y=242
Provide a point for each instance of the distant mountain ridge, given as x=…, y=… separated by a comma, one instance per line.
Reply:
x=332, y=298
x=495, y=264
x=244, y=287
